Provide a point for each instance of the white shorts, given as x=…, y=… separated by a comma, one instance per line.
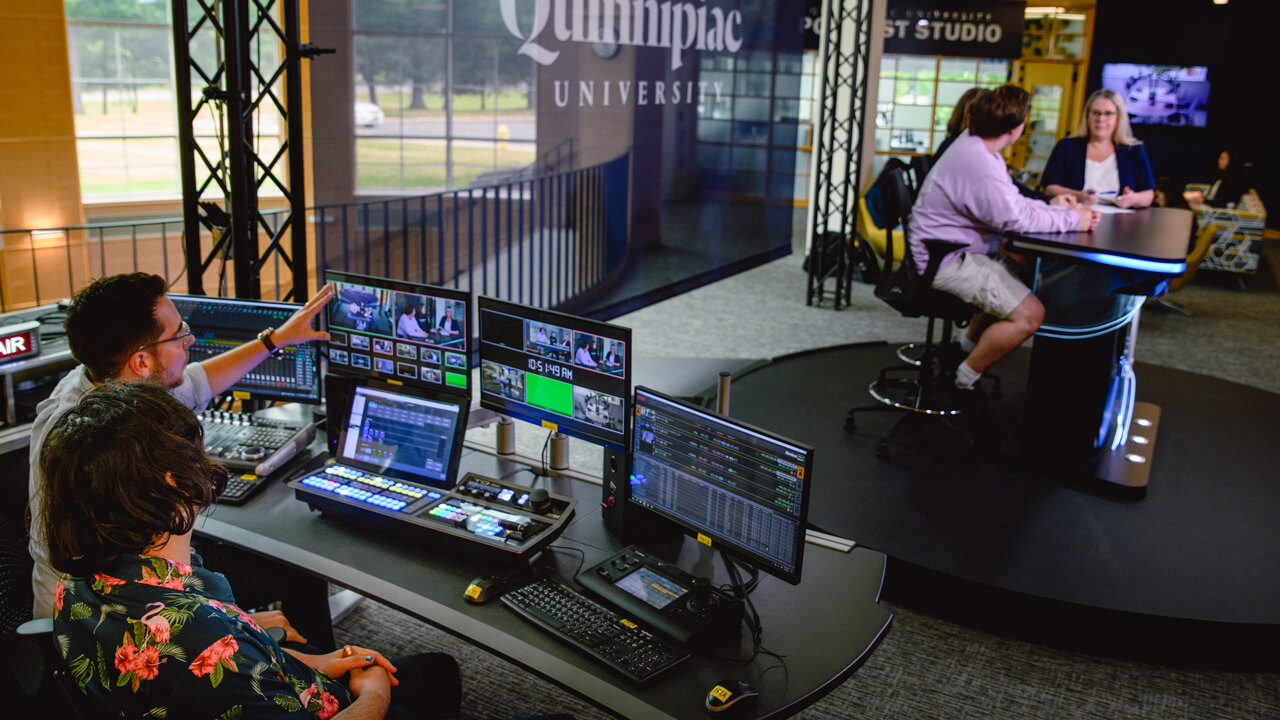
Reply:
x=983, y=281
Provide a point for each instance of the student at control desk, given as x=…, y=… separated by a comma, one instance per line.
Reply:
x=968, y=197
x=127, y=474
x=126, y=328
x=1102, y=159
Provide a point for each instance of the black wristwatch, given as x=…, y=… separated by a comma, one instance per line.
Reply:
x=265, y=337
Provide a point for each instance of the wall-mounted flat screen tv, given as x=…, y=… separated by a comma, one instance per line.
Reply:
x=1161, y=94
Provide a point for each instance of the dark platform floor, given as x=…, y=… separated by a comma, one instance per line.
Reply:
x=1202, y=544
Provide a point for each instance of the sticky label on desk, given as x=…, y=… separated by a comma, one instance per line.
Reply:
x=720, y=693
x=704, y=539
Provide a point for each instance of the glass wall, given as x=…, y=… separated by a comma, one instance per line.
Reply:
x=122, y=91
x=748, y=135
x=917, y=95
x=442, y=98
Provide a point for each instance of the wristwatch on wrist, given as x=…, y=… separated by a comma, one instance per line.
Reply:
x=265, y=337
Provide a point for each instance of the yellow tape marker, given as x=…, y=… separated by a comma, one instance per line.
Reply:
x=720, y=693
x=240, y=395
x=473, y=592
x=704, y=539
x=627, y=622
x=550, y=425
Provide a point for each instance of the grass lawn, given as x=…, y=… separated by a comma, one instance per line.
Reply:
x=378, y=163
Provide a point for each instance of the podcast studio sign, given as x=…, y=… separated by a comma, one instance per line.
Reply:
x=677, y=27
x=990, y=29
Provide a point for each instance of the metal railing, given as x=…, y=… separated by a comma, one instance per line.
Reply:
x=540, y=241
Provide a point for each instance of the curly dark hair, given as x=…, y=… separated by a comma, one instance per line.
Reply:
x=111, y=318
x=999, y=111
x=123, y=470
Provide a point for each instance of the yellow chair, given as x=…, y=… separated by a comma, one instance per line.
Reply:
x=874, y=234
x=1205, y=237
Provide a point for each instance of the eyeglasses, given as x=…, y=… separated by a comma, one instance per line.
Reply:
x=184, y=332
x=1102, y=113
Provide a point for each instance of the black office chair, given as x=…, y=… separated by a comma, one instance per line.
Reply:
x=922, y=388
x=920, y=166
x=34, y=679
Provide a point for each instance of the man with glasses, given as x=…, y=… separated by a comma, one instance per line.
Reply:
x=125, y=328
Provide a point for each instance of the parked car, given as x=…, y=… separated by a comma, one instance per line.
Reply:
x=368, y=115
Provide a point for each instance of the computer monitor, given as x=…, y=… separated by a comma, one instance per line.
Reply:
x=395, y=330
x=218, y=324
x=729, y=484
x=564, y=372
x=407, y=433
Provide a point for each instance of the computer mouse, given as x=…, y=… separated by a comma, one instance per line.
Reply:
x=481, y=590
x=730, y=695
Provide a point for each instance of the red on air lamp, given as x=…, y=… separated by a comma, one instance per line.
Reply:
x=19, y=341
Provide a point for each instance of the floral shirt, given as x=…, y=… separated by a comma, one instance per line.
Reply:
x=152, y=638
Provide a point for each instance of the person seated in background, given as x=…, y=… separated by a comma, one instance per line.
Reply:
x=1102, y=159
x=959, y=121
x=1169, y=193
x=1229, y=184
x=126, y=475
x=969, y=198
x=407, y=327
x=583, y=356
x=124, y=327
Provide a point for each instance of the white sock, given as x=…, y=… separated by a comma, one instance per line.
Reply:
x=966, y=376
x=965, y=343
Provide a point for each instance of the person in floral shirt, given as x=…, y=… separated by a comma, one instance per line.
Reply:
x=148, y=632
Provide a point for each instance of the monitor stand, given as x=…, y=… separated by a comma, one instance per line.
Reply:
x=664, y=597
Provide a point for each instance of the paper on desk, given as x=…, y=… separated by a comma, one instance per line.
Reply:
x=1110, y=209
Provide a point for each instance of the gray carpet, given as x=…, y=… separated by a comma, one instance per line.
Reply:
x=926, y=667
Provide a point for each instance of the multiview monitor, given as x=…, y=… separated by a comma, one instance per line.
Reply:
x=292, y=374
x=731, y=485
x=564, y=372
x=399, y=331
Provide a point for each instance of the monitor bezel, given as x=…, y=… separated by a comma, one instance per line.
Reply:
x=243, y=393
x=708, y=536
x=422, y=393
x=406, y=286
x=574, y=322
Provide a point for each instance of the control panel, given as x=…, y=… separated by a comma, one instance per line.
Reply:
x=495, y=520
x=687, y=609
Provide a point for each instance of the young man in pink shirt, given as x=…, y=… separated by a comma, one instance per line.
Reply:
x=968, y=197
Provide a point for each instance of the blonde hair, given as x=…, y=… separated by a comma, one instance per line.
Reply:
x=1123, y=134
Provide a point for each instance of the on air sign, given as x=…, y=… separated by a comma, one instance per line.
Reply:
x=977, y=28
x=19, y=341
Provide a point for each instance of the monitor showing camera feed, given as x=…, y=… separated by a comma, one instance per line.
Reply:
x=732, y=485
x=395, y=330
x=1161, y=94
x=567, y=373
x=413, y=434
x=292, y=374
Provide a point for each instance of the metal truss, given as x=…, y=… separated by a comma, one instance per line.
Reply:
x=218, y=45
x=846, y=43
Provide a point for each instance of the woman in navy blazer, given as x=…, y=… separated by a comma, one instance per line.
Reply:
x=1102, y=157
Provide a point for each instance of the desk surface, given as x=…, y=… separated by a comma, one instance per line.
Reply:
x=826, y=627
x=1151, y=234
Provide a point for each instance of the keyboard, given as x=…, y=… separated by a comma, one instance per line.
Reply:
x=554, y=606
x=240, y=488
